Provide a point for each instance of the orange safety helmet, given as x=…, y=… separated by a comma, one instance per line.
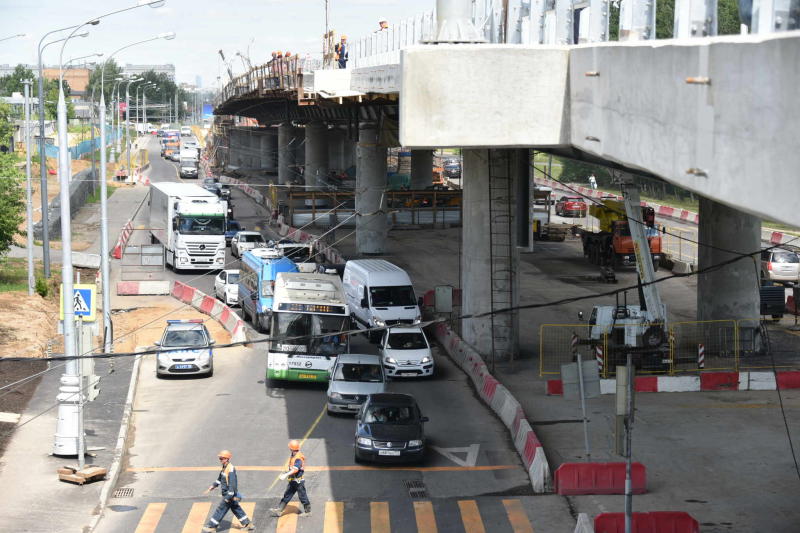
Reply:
x=225, y=453
x=294, y=445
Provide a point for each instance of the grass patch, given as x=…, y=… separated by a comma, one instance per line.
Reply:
x=14, y=275
x=95, y=196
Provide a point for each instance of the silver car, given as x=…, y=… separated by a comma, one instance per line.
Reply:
x=185, y=348
x=353, y=378
x=780, y=265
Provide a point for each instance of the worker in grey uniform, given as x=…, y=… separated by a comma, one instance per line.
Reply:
x=228, y=486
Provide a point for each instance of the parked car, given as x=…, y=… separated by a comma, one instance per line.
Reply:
x=571, y=206
x=390, y=429
x=246, y=240
x=185, y=348
x=780, y=265
x=353, y=378
x=406, y=352
x=226, y=287
x=232, y=227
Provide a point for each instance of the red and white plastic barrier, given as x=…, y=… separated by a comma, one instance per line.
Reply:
x=701, y=356
x=598, y=478
x=502, y=403
x=212, y=307
x=122, y=240
x=656, y=521
x=142, y=288
x=705, y=381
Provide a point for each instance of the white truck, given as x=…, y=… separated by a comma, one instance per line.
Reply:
x=190, y=222
x=188, y=163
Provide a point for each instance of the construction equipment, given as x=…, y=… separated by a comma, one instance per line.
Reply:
x=620, y=329
x=543, y=229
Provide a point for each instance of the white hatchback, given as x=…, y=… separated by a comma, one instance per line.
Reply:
x=406, y=352
x=246, y=240
x=226, y=287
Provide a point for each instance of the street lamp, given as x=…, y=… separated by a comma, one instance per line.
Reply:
x=128, y=119
x=115, y=113
x=12, y=37
x=67, y=440
x=42, y=155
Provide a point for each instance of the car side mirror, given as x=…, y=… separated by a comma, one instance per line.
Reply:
x=211, y=342
x=157, y=343
x=174, y=224
x=424, y=419
x=580, y=316
x=364, y=303
x=243, y=229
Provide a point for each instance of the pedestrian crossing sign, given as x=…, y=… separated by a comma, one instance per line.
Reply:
x=84, y=302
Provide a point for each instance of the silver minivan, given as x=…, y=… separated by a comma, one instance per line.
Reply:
x=353, y=377
x=780, y=265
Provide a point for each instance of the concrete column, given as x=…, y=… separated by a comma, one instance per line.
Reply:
x=285, y=153
x=299, y=146
x=371, y=229
x=730, y=292
x=316, y=153
x=269, y=151
x=421, y=169
x=336, y=148
x=476, y=256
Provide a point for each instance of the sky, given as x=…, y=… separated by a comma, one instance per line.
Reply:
x=202, y=27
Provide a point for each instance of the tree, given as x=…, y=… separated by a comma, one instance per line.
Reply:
x=728, y=19
x=6, y=126
x=112, y=71
x=11, y=199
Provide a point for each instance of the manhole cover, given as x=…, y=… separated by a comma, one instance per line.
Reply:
x=416, y=488
x=126, y=492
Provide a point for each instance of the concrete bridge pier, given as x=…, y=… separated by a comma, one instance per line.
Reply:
x=732, y=291
x=371, y=220
x=489, y=255
x=286, y=159
x=421, y=169
x=268, y=150
x=299, y=146
x=316, y=153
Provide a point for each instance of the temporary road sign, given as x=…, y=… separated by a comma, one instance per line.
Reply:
x=84, y=301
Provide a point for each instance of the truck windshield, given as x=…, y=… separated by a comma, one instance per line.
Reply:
x=188, y=163
x=299, y=254
x=392, y=296
x=201, y=225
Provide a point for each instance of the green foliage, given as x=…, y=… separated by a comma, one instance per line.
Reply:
x=112, y=72
x=95, y=196
x=728, y=20
x=41, y=287
x=6, y=125
x=11, y=201
x=13, y=82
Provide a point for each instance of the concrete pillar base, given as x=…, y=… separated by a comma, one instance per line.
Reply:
x=421, y=169
x=371, y=220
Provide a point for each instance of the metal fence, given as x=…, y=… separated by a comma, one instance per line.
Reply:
x=143, y=262
x=718, y=345
x=83, y=147
x=383, y=47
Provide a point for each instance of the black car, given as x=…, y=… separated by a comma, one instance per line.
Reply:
x=389, y=429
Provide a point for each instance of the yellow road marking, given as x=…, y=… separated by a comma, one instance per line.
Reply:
x=426, y=522
x=379, y=517
x=287, y=523
x=334, y=517
x=150, y=518
x=197, y=516
x=517, y=516
x=471, y=517
x=249, y=508
x=302, y=441
x=478, y=468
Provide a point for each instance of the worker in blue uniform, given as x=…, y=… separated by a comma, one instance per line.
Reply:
x=228, y=487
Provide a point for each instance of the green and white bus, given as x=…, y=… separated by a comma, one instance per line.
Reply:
x=309, y=323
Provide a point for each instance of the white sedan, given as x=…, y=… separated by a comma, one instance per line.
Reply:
x=246, y=240
x=226, y=287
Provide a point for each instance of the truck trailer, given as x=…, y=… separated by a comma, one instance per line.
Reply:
x=190, y=223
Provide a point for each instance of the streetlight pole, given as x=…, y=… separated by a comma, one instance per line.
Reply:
x=12, y=37
x=42, y=154
x=128, y=119
x=114, y=113
x=29, y=190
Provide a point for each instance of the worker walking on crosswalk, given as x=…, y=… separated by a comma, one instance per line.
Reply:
x=295, y=468
x=228, y=486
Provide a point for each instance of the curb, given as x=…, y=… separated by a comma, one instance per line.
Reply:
x=122, y=439
x=504, y=405
x=704, y=382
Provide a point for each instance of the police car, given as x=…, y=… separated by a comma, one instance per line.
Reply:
x=185, y=348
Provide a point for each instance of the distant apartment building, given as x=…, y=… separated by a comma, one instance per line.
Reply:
x=76, y=77
x=135, y=70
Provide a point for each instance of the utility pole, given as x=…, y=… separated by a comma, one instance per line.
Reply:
x=29, y=203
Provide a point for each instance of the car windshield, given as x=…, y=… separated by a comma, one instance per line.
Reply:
x=407, y=341
x=233, y=278
x=379, y=414
x=185, y=337
x=358, y=372
x=202, y=225
x=392, y=296
x=785, y=257
x=251, y=238
x=573, y=200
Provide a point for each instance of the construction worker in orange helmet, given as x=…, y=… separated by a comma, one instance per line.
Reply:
x=228, y=484
x=295, y=468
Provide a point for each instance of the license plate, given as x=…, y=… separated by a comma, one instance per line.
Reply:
x=182, y=367
x=307, y=376
x=393, y=453
x=353, y=406
x=407, y=374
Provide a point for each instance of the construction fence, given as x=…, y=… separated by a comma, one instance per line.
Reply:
x=690, y=347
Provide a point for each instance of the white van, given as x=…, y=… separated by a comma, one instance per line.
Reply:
x=379, y=294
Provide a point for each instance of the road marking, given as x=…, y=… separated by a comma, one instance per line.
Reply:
x=334, y=517
x=249, y=508
x=196, y=518
x=517, y=516
x=426, y=521
x=302, y=441
x=471, y=451
x=479, y=468
x=287, y=523
x=471, y=517
x=151, y=517
x=379, y=517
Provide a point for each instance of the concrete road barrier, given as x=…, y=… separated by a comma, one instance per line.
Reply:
x=657, y=521
x=598, y=478
x=705, y=381
x=122, y=240
x=84, y=260
x=142, y=288
x=212, y=307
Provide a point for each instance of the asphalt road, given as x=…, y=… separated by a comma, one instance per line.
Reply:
x=470, y=481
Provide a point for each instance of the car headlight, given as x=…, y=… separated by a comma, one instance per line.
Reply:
x=391, y=360
x=380, y=323
x=417, y=319
x=425, y=359
x=364, y=441
x=335, y=396
x=414, y=443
